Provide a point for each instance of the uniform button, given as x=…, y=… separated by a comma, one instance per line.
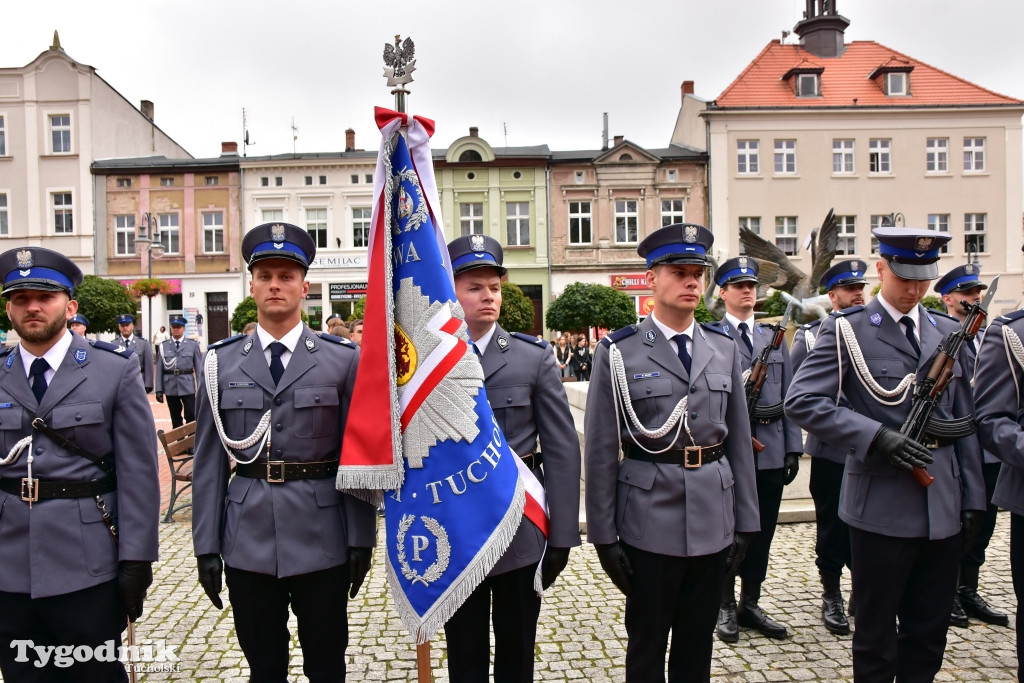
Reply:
x=316, y=399
x=508, y=400
x=278, y=427
x=277, y=401
x=279, y=452
x=649, y=390
x=695, y=415
x=627, y=477
x=39, y=450
x=239, y=401
x=78, y=417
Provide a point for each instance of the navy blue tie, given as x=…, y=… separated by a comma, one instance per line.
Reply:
x=745, y=337
x=684, y=355
x=38, y=372
x=177, y=344
x=911, y=337
x=276, y=366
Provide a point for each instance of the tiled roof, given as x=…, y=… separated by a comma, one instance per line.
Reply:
x=845, y=79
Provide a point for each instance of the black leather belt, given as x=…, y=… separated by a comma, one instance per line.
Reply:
x=532, y=460
x=690, y=457
x=278, y=472
x=32, y=490
x=178, y=372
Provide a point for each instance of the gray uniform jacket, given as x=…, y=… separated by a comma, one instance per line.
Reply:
x=783, y=435
x=970, y=354
x=95, y=400
x=1000, y=415
x=298, y=526
x=140, y=347
x=876, y=496
x=528, y=401
x=183, y=360
x=666, y=508
x=813, y=446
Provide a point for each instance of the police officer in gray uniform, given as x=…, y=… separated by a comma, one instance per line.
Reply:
x=79, y=488
x=137, y=345
x=778, y=462
x=276, y=400
x=78, y=324
x=845, y=283
x=999, y=397
x=963, y=284
x=529, y=403
x=177, y=361
x=678, y=509
x=906, y=538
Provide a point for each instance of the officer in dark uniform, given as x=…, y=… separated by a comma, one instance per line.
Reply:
x=778, y=462
x=963, y=283
x=845, y=283
x=906, y=538
x=678, y=510
x=999, y=397
x=529, y=403
x=276, y=400
x=78, y=324
x=137, y=345
x=177, y=361
x=79, y=488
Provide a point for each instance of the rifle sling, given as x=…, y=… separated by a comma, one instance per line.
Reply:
x=40, y=425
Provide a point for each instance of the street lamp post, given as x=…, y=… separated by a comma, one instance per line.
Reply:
x=149, y=234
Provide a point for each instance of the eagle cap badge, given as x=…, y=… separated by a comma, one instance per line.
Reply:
x=969, y=269
x=24, y=257
x=277, y=232
x=690, y=234
x=924, y=243
x=477, y=242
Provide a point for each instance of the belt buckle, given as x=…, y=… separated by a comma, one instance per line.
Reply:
x=931, y=443
x=29, y=490
x=692, y=462
x=279, y=477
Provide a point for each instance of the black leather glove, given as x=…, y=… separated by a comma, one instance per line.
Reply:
x=792, y=466
x=552, y=565
x=159, y=397
x=740, y=542
x=358, y=566
x=616, y=565
x=901, y=451
x=210, y=570
x=133, y=578
x=972, y=521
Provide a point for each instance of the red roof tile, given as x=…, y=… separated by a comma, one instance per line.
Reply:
x=846, y=78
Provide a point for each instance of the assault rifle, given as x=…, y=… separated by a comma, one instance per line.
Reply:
x=920, y=425
x=758, y=374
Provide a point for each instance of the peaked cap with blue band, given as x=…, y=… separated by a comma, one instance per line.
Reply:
x=80, y=319
x=739, y=269
x=911, y=253
x=960, y=278
x=476, y=251
x=848, y=272
x=178, y=321
x=38, y=268
x=685, y=243
x=278, y=240
x=125, y=319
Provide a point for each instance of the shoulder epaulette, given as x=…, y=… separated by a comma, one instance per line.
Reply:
x=225, y=342
x=6, y=350
x=712, y=327
x=621, y=333
x=113, y=348
x=811, y=325
x=340, y=341
x=846, y=311
x=944, y=315
x=1010, y=317
x=529, y=338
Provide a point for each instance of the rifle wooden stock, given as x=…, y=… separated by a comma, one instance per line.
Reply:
x=758, y=446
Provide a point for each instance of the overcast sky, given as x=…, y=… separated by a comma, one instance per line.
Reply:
x=526, y=73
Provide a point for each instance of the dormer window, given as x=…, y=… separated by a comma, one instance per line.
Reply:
x=807, y=85
x=896, y=84
x=806, y=79
x=893, y=77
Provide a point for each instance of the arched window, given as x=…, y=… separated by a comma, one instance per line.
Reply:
x=470, y=155
x=626, y=157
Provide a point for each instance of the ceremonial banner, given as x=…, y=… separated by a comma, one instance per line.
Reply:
x=420, y=425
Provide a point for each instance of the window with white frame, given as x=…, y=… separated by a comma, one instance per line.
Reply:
x=60, y=133
x=939, y=222
x=471, y=218
x=807, y=85
x=670, y=175
x=167, y=182
x=213, y=232
x=517, y=223
x=879, y=159
x=747, y=157
x=272, y=215
x=5, y=230
x=361, y=227
x=368, y=178
x=63, y=213
x=937, y=155
x=212, y=180
x=751, y=223
x=974, y=154
x=786, y=234
x=974, y=232
x=896, y=84
x=785, y=157
x=578, y=176
x=3, y=138
x=878, y=220
x=846, y=228
x=170, y=233
x=580, y=223
x=316, y=226
x=627, y=219
x=673, y=211
x=124, y=235
x=842, y=157
x=124, y=182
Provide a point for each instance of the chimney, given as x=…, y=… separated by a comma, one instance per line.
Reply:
x=350, y=140
x=822, y=29
x=604, y=134
x=474, y=132
x=687, y=88
x=617, y=140
x=229, y=149
x=147, y=109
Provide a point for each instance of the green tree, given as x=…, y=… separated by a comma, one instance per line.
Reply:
x=702, y=314
x=516, y=309
x=774, y=305
x=934, y=303
x=584, y=305
x=245, y=313
x=359, y=310
x=101, y=301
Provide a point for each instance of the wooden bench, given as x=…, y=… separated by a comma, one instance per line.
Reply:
x=178, y=444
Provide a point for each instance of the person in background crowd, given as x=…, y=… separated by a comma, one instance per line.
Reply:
x=137, y=345
x=160, y=336
x=563, y=357
x=249, y=328
x=581, y=359
x=356, y=332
